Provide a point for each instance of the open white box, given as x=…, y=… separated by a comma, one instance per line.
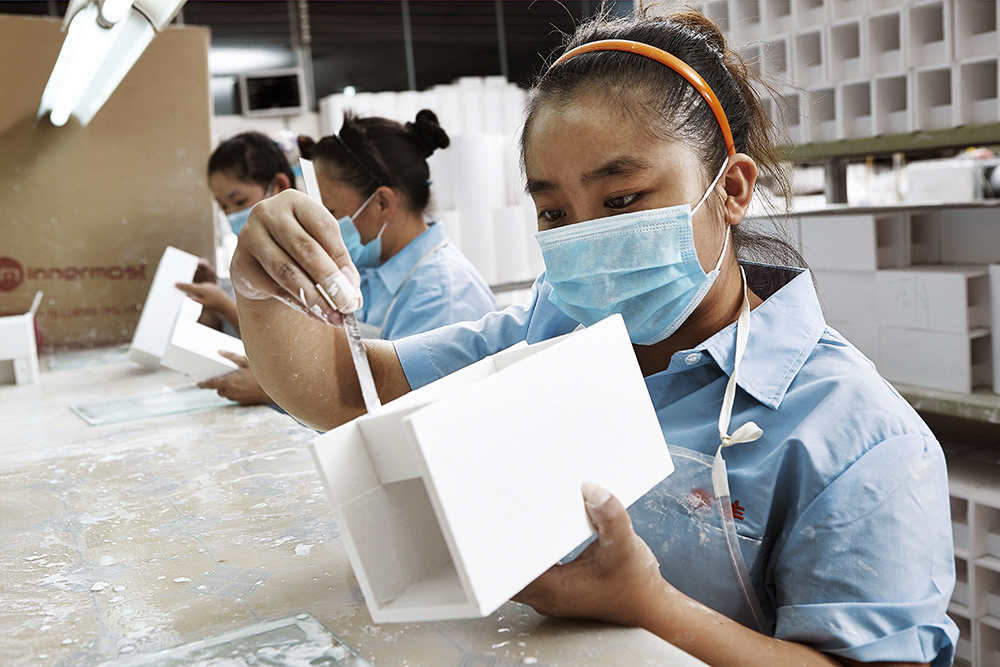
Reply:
x=163, y=303
x=193, y=348
x=455, y=496
x=18, y=349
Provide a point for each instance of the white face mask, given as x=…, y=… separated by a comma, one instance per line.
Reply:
x=642, y=265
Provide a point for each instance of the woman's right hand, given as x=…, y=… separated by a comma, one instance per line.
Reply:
x=289, y=244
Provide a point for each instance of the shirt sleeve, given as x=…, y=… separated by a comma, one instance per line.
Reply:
x=431, y=355
x=868, y=568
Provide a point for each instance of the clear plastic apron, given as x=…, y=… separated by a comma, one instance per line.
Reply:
x=370, y=330
x=687, y=519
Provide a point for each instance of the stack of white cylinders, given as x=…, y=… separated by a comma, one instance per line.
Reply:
x=477, y=185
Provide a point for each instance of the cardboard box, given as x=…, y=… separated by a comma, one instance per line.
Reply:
x=193, y=348
x=18, y=347
x=163, y=303
x=86, y=211
x=951, y=299
x=454, y=497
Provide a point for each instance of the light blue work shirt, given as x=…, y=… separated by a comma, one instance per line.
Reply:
x=426, y=288
x=846, y=491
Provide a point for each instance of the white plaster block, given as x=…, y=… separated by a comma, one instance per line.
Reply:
x=847, y=296
x=942, y=181
x=995, y=319
x=970, y=236
x=159, y=312
x=946, y=361
x=949, y=299
x=454, y=497
x=193, y=348
x=855, y=242
x=18, y=348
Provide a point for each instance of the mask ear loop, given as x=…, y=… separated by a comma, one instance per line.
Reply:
x=367, y=201
x=711, y=189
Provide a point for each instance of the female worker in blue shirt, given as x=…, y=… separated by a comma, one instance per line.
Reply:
x=373, y=176
x=826, y=539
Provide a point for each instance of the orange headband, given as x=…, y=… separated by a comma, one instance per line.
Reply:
x=671, y=61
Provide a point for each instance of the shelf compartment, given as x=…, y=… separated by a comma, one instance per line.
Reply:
x=746, y=25
x=821, y=115
x=977, y=84
x=977, y=29
x=893, y=114
x=930, y=33
x=777, y=15
x=960, y=595
x=960, y=523
x=886, y=43
x=934, y=108
x=846, y=55
x=810, y=61
x=964, y=648
x=808, y=13
x=856, y=119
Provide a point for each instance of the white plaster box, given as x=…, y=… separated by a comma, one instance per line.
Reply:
x=949, y=299
x=947, y=361
x=855, y=242
x=455, y=496
x=18, y=348
x=193, y=348
x=995, y=319
x=847, y=296
x=163, y=303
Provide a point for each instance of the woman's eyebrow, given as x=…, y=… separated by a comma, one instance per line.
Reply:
x=621, y=166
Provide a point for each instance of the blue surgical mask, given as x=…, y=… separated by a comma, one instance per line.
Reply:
x=239, y=218
x=642, y=265
x=364, y=255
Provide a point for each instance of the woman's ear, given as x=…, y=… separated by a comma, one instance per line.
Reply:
x=385, y=202
x=739, y=180
x=281, y=183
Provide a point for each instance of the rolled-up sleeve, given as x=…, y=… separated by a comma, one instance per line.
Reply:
x=868, y=569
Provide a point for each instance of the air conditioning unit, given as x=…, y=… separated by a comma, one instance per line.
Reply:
x=277, y=92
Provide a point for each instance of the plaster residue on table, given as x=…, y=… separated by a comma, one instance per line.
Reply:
x=135, y=537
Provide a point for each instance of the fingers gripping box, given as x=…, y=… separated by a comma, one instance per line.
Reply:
x=454, y=497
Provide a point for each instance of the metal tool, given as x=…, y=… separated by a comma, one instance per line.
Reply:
x=358, y=353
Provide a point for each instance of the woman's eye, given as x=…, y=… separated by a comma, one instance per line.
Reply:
x=551, y=216
x=621, y=202
x=240, y=204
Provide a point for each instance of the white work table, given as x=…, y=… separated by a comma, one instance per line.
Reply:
x=124, y=539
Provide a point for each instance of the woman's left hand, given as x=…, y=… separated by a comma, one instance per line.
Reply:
x=616, y=579
x=240, y=385
x=210, y=295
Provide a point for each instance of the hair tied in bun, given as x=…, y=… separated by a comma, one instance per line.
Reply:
x=428, y=134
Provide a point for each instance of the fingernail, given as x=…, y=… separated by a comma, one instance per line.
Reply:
x=595, y=495
x=343, y=293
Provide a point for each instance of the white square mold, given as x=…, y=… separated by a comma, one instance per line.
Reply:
x=810, y=59
x=856, y=116
x=847, y=297
x=977, y=84
x=747, y=22
x=995, y=323
x=893, y=114
x=970, y=235
x=846, y=9
x=821, y=115
x=886, y=43
x=777, y=15
x=809, y=13
x=946, y=361
x=163, y=303
x=847, y=56
x=455, y=496
x=931, y=33
x=977, y=29
x=948, y=299
x=855, y=242
x=193, y=348
x=933, y=106
x=18, y=347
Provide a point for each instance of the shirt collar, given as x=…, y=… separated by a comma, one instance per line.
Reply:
x=783, y=332
x=394, y=271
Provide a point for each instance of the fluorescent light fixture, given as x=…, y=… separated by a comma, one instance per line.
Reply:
x=104, y=38
x=231, y=60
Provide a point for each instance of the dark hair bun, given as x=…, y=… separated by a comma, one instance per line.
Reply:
x=428, y=134
x=306, y=146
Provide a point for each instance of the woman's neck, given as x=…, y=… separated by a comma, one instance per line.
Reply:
x=401, y=230
x=719, y=309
